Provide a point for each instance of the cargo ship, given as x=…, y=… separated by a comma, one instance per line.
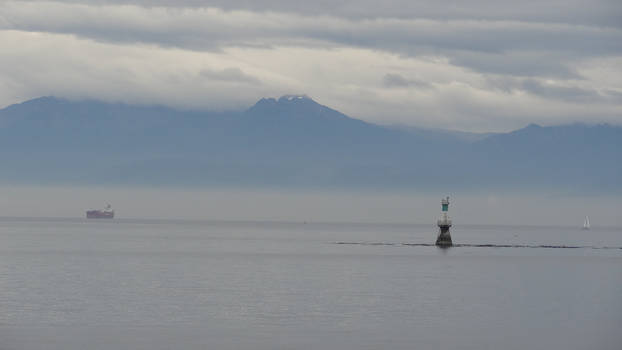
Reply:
x=106, y=213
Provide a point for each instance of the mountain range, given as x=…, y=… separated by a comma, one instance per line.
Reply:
x=292, y=141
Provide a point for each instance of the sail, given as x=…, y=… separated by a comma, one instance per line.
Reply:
x=586, y=223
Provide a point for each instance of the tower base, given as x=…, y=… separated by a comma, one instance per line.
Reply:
x=444, y=237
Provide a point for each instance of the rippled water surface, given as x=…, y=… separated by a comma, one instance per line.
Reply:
x=131, y=284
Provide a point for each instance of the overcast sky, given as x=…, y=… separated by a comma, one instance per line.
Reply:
x=479, y=65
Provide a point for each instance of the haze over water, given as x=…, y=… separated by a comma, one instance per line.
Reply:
x=163, y=284
x=298, y=205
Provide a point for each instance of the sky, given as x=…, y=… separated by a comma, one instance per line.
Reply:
x=480, y=65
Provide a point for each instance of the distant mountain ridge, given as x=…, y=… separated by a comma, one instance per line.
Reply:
x=291, y=141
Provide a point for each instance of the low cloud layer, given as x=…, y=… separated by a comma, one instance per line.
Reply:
x=484, y=67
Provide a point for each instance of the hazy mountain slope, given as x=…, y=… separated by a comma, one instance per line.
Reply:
x=567, y=155
x=292, y=141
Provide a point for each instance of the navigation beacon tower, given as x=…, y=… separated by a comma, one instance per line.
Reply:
x=444, y=223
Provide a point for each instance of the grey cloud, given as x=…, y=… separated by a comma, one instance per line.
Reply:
x=596, y=12
x=493, y=46
x=539, y=88
x=208, y=28
x=615, y=95
x=528, y=64
x=396, y=80
x=358, y=56
x=573, y=94
x=233, y=75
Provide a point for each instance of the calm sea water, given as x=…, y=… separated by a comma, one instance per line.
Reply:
x=132, y=284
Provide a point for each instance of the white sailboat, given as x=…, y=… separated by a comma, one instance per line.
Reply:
x=586, y=223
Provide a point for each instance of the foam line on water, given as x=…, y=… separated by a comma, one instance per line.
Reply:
x=548, y=246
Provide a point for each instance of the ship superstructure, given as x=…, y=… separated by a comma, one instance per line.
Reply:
x=106, y=213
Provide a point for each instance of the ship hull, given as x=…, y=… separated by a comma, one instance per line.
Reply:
x=97, y=214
